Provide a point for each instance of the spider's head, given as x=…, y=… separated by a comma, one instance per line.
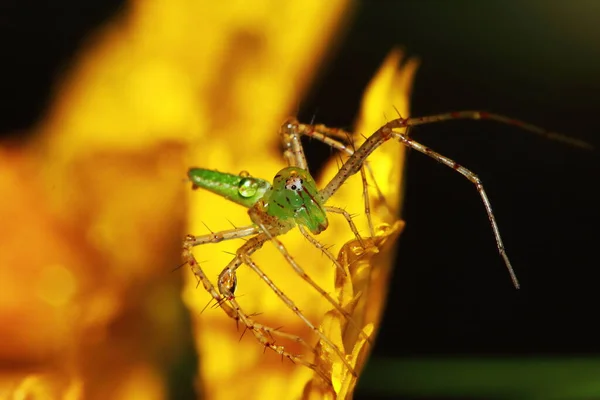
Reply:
x=294, y=195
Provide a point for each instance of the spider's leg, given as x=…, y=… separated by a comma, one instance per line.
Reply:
x=300, y=271
x=190, y=259
x=483, y=115
x=225, y=298
x=216, y=237
x=288, y=302
x=348, y=217
x=264, y=335
x=387, y=132
x=322, y=248
x=367, y=202
x=293, y=150
x=328, y=136
x=478, y=184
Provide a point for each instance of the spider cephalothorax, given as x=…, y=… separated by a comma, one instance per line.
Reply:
x=294, y=199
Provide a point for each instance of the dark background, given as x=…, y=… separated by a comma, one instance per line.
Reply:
x=538, y=61
x=451, y=293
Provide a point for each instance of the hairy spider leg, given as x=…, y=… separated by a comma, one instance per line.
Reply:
x=229, y=305
x=484, y=115
x=385, y=133
x=300, y=271
x=327, y=136
x=262, y=333
x=322, y=248
x=243, y=256
x=293, y=152
x=353, y=162
x=290, y=132
x=328, y=132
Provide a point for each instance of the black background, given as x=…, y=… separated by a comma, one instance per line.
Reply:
x=536, y=61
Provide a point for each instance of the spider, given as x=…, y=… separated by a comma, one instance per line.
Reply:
x=294, y=200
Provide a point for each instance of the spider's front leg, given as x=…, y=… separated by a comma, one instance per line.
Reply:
x=214, y=237
x=225, y=296
x=389, y=131
x=290, y=133
x=189, y=242
x=227, y=284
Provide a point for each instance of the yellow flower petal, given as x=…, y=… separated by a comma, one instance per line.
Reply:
x=97, y=202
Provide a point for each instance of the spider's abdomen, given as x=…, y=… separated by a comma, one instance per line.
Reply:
x=294, y=196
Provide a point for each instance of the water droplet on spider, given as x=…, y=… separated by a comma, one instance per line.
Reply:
x=244, y=174
x=247, y=187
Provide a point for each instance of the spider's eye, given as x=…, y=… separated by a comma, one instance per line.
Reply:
x=294, y=184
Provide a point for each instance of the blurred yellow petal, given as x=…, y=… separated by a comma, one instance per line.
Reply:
x=95, y=205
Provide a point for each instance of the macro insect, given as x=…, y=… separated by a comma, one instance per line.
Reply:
x=293, y=200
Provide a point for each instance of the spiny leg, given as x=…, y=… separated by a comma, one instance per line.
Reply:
x=230, y=283
x=293, y=150
x=214, y=237
x=483, y=115
x=288, y=302
x=226, y=301
x=386, y=132
x=365, y=186
x=231, y=308
x=264, y=335
x=190, y=259
x=217, y=237
x=300, y=271
x=322, y=248
x=348, y=218
x=367, y=202
x=477, y=182
x=227, y=284
x=325, y=135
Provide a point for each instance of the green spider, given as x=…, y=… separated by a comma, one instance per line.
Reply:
x=293, y=200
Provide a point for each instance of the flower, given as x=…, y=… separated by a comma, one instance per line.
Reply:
x=94, y=206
